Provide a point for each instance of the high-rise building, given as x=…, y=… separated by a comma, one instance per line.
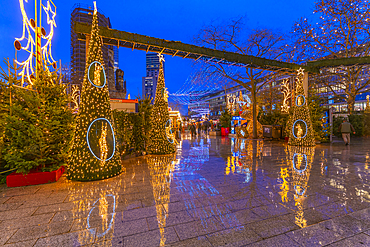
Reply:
x=120, y=85
x=84, y=13
x=149, y=82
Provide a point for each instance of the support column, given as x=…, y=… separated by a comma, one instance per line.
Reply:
x=305, y=84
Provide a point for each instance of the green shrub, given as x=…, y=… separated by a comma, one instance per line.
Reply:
x=357, y=121
x=37, y=126
x=225, y=119
x=366, y=124
x=317, y=111
x=132, y=129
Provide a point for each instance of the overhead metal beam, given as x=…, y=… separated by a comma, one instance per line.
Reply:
x=179, y=49
x=340, y=62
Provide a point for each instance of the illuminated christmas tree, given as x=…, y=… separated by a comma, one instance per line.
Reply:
x=161, y=138
x=300, y=125
x=94, y=152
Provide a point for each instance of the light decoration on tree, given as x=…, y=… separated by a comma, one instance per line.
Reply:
x=285, y=88
x=93, y=151
x=34, y=33
x=161, y=139
x=169, y=134
x=299, y=124
x=96, y=74
x=75, y=98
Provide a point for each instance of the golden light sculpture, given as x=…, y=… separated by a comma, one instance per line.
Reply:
x=169, y=134
x=285, y=88
x=37, y=41
x=75, y=97
x=161, y=168
x=103, y=144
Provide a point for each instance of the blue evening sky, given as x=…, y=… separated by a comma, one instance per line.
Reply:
x=167, y=19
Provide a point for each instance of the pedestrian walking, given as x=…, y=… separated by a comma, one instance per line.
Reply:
x=192, y=129
x=206, y=125
x=199, y=128
x=346, y=128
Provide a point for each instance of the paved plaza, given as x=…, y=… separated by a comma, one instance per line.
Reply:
x=214, y=192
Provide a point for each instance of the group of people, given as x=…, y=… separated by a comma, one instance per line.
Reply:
x=198, y=128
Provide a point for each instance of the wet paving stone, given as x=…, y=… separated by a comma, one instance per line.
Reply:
x=216, y=192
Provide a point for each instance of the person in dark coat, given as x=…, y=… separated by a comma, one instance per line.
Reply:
x=192, y=129
x=206, y=126
x=345, y=128
x=199, y=127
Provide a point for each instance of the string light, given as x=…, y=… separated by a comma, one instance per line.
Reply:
x=75, y=97
x=287, y=94
x=96, y=69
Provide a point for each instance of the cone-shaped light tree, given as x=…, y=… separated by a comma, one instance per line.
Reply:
x=300, y=125
x=161, y=139
x=94, y=152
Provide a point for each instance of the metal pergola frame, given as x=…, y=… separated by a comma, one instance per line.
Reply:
x=179, y=49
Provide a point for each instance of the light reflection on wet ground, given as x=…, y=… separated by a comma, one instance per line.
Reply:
x=213, y=192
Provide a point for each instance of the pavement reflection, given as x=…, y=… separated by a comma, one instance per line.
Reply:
x=213, y=191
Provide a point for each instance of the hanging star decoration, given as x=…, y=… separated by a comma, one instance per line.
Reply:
x=46, y=49
x=300, y=71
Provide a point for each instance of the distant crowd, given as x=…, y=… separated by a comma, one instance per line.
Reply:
x=204, y=127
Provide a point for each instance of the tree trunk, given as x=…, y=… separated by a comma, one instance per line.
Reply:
x=254, y=112
x=350, y=104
